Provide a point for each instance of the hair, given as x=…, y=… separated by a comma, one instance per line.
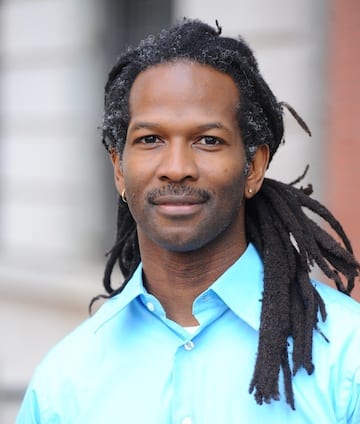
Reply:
x=289, y=242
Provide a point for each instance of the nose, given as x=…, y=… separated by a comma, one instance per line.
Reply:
x=178, y=162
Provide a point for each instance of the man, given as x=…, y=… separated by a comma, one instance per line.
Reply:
x=217, y=302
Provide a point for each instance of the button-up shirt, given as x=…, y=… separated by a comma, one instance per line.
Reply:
x=130, y=364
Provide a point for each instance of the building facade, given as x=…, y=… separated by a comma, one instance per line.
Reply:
x=57, y=201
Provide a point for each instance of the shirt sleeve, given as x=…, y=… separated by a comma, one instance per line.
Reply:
x=29, y=412
x=354, y=407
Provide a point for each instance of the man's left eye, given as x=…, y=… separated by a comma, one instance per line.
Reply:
x=209, y=140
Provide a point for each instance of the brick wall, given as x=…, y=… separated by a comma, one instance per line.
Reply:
x=343, y=147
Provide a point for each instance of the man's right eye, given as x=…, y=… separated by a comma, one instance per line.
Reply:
x=149, y=139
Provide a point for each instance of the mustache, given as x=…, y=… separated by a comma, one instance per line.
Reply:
x=178, y=190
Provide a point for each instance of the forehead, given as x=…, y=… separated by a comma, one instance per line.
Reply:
x=185, y=87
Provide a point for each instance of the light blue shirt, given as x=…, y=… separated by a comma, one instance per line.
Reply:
x=129, y=364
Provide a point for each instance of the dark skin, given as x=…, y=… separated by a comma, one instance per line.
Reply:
x=183, y=172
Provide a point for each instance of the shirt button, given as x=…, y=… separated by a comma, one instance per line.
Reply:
x=188, y=346
x=150, y=306
x=186, y=420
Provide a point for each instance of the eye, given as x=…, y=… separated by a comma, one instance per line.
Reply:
x=149, y=139
x=209, y=140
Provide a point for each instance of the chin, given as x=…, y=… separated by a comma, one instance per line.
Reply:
x=179, y=247
x=181, y=244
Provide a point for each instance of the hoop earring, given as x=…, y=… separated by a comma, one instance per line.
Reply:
x=123, y=196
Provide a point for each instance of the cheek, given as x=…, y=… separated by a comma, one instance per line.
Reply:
x=230, y=164
x=233, y=183
x=133, y=175
x=229, y=174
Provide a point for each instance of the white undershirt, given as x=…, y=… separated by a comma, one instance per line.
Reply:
x=192, y=329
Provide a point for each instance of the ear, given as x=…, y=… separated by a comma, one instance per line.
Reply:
x=256, y=171
x=118, y=174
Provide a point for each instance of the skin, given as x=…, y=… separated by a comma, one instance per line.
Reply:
x=183, y=172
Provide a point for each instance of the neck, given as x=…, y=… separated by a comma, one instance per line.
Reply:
x=177, y=278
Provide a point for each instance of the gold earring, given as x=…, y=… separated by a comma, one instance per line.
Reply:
x=123, y=196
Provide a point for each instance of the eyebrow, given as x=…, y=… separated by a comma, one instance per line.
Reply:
x=211, y=125
x=142, y=124
x=152, y=125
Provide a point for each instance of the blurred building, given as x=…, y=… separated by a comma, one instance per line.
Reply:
x=57, y=201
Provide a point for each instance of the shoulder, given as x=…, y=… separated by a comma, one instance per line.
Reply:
x=336, y=358
x=66, y=374
x=91, y=341
x=338, y=304
x=342, y=325
x=85, y=347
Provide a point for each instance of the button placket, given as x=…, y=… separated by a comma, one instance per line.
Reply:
x=189, y=345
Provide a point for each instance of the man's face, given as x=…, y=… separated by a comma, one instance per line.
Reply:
x=183, y=161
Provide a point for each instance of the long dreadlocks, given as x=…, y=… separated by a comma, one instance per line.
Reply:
x=289, y=242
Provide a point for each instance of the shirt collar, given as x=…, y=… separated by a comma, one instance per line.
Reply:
x=134, y=287
x=241, y=286
x=116, y=304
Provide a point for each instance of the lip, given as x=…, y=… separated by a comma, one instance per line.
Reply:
x=178, y=205
x=177, y=200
